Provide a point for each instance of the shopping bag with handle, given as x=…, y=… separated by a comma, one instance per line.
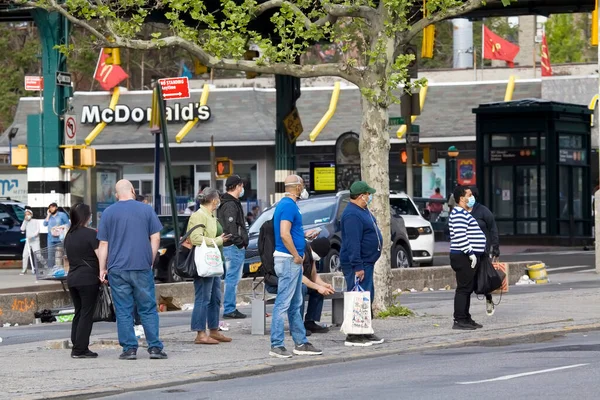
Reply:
x=208, y=260
x=357, y=312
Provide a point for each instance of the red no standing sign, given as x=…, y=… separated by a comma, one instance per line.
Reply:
x=175, y=88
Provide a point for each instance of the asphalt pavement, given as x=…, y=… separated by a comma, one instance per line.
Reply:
x=564, y=368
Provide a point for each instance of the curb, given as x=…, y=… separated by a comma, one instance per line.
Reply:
x=10, y=264
x=282, y=365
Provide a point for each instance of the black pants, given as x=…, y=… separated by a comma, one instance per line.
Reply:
x=84, y=300
x=465, y=285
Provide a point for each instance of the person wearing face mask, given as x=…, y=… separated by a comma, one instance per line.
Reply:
x=467, y=246
x=361, y=248
x=129, y=236
x=288, y=258
x=58, y=224
x=207, y=295
x=31, y=228
x=231, y=217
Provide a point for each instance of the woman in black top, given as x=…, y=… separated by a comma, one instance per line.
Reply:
x=81, y=247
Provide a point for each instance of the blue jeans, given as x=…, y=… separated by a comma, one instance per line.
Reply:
x=131, y=288
x=288, y=301
x=234, y=260
x=366, y=283
x=315, y=303
x=207, y=303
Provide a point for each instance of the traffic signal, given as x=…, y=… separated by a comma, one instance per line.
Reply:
x=251, y=55
x=403, y=156
x=114, y=56
x=79, y=157
x=224, y=168
x=429, y=156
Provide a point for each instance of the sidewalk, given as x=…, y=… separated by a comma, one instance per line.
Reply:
x=37, y=370
x=12, y=282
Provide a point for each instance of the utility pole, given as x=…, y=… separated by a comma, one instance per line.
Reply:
x=213, y=164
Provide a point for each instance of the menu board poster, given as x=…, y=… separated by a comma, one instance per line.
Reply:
x=466, y=172
x=322, y=176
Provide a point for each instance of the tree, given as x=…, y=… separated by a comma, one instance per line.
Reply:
x=218, y=33
x=567, y=37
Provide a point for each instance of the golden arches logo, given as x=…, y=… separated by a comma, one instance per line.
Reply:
x=105, y=71
x=592, y=106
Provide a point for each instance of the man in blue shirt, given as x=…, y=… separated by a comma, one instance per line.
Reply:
x=129, y=235
x=58, y=225
x=361, y=248
x=288, y=258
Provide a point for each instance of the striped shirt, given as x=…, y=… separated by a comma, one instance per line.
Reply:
x=465, y=234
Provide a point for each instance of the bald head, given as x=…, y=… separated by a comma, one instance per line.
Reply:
x=124, y=190
x=294, y=185
x=293, y=180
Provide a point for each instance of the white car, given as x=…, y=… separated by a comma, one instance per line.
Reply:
x=419, y=229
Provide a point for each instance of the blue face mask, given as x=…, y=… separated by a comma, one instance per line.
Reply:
x=471, y=202
x=370, y=200
x=242, y=192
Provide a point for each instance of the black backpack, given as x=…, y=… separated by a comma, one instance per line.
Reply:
x=266, y=247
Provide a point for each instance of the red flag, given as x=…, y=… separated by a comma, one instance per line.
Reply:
x=496, y=48
x=546, y=65
x=108, y=76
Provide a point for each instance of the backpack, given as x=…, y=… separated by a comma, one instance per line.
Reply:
x=266, y=248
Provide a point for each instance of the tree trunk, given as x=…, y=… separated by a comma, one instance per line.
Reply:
x=374, y=149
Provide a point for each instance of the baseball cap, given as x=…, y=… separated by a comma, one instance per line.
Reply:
x=360, y=187
x=53, y=205
x=233, y=180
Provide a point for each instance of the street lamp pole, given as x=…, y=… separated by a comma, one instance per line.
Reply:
x=452, y=154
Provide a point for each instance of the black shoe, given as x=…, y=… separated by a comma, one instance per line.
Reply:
x=314, y=327
x=234, y=315
x=374, y=339
x=87, y=354
x=308, y=333
x=463, y=326
x=157, y=354
x=357, y=341
x=475, y=324
x=130, y=354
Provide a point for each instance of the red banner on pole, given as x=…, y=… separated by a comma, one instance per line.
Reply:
x=496, y=48
x=109, y=75
x=546, y=65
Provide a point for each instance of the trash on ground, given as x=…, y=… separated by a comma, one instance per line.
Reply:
x=524, y=280
x=413, y=290
x=6, y=325
x=223, y=326
x=187, y=307
x=243, y=304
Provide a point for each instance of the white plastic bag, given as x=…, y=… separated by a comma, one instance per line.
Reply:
x=208, y=260
x=357, y=312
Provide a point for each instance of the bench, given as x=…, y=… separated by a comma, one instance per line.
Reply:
x=259, y=309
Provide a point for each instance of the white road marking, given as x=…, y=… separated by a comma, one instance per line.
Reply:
x=508, y=377
x=557, y=253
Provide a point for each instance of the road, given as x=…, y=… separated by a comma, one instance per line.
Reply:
x=565, y=368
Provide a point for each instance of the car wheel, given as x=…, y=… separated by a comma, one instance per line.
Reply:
x=331, y=262
x=173, y=277
x=400, y=258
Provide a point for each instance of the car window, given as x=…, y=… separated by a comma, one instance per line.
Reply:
x=19, y=212
x=262, y=218
x=4, y=212
x=403, y=206
x=167, y=223
x=343, y=204
x=317, y=211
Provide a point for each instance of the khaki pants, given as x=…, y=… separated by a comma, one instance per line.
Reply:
x=29, y=252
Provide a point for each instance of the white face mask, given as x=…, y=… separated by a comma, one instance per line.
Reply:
x=304, y=194
x=28, y=217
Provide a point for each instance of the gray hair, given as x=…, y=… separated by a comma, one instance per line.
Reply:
x=208, y=195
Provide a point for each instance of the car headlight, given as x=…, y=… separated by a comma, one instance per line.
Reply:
x=424, y=230
x=162, y=252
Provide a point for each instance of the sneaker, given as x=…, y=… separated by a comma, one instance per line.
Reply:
x=307, y=349
x=23, y=273
x=357, y=341
x=475, y=324
x=375, y=339
x=130, y=354
x=490, y=308
x=157, y=354
x=463, y=326
x=87, y=354
x=234, y=315
x=314, y=327
x=280, y=352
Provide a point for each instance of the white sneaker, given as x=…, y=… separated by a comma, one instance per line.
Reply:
x=490, y=308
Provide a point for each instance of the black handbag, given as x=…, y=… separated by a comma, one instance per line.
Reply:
x=105, y=311
x=185, y=266
x=488, y=277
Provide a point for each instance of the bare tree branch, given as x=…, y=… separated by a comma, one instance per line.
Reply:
x=467, y=6
x=341, y=70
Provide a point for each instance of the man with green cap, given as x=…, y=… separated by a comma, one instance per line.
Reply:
x=361, y=248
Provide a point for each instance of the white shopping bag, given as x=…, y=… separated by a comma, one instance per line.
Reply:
x=208, y=260
x=357, y=312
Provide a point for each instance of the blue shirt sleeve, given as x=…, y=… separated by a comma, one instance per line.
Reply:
x=288, y=212
x=154, y=225
x=102, y=228
x=353, y=233
x=65, y=219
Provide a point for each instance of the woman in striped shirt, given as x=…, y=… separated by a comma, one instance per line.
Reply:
x=467, y=245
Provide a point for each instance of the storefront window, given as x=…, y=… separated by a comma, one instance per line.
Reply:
x=563, y=192
x=577, y=193
x=570, y=142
